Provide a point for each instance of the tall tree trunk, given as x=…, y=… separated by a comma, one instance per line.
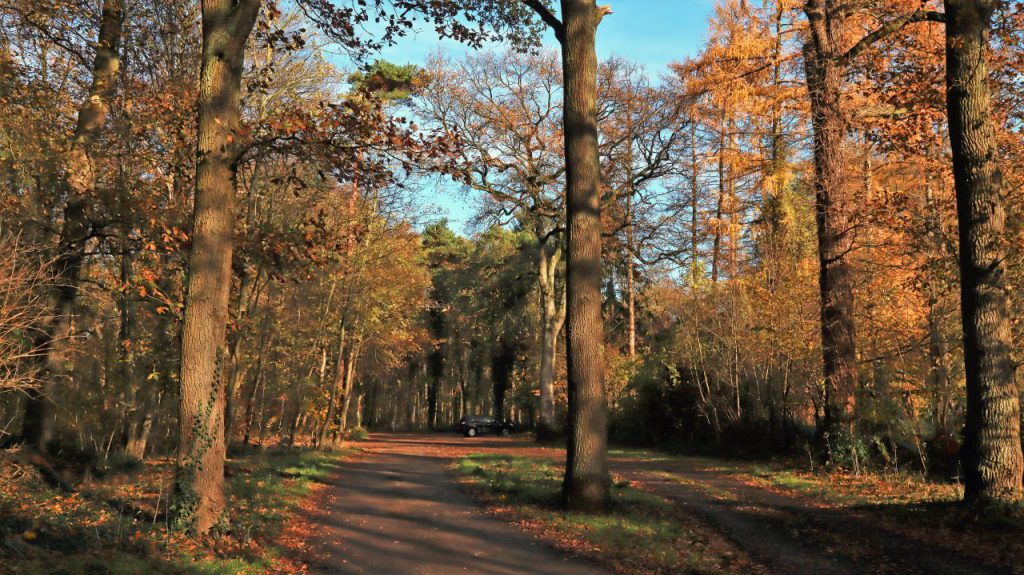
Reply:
x=838, y=336
x=339, y=382
x=552, y=307
x=938, y=372
x=695, y=271
x=435, y=371
x=348, y=272
x=350, y=375
x=732, y=208
x=199, y=483
x=630, y=235
x=52, y=343
x=630, y=279
x=992, y=458
x=586, y=485
x=256, y=385
x=716, y=244
x=249, y=292
x=146, y=393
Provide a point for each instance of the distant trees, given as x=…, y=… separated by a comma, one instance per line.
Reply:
x=211, y=238
x=507, y=110
x=76, y=193
x=482, y=318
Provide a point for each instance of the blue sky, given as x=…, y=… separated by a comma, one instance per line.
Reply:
x=650, y=32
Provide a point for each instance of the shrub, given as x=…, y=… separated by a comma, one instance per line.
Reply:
x=359, y=434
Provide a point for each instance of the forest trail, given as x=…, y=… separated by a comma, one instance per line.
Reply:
x=397, y=509
x=794, y=534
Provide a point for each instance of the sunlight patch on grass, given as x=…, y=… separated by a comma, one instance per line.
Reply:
x=639, y=531
x=701, y=486
x=846, y=489
x=640, y=454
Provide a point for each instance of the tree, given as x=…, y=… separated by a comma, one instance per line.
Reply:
x=199, y=481
x=834, y=221
x=586, y=484
x=52, y=338
x=641, y=128
x=992, y=458
x=826, y=60
x=506, y=110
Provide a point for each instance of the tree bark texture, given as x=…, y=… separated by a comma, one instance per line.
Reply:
x=834, y=225
x=992, y=459
x=586, y=484
x=199, y=484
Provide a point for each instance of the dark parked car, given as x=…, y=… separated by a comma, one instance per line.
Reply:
x=474, y=425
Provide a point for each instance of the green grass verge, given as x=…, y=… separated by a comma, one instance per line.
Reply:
x=640, y=531
x=82, y=534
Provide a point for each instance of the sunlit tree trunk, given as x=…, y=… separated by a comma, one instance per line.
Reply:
x=552, y=319
x=199, y=483
x=350, y=376
x=716, y=244
x=992, y=458
x=834, y=226
x=52, y=341
x=336, y=388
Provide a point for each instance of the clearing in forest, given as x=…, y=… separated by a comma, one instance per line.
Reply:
x=399, y=508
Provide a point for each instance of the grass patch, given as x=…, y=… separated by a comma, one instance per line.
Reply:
x=831, y=488
x=641, y=454
x=640, y=532
x=118, y=525
x=848, y=490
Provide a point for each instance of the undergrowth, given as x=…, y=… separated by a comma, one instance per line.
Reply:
x=118, y=524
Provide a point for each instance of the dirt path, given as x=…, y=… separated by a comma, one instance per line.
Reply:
x=396, y=510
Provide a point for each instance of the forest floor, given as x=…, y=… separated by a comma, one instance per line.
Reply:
x=396, y=508
x=114, y=521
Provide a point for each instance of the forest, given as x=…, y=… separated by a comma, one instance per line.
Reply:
x=783, y=265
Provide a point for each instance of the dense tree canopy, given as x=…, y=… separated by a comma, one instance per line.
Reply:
x=804, y=238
